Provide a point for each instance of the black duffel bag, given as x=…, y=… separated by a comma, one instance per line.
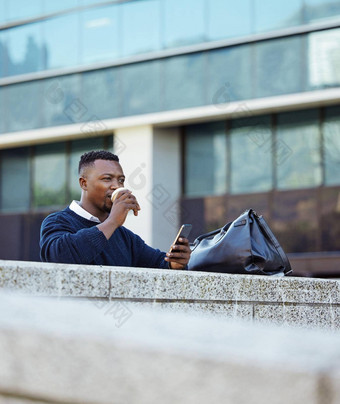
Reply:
x=244, y=246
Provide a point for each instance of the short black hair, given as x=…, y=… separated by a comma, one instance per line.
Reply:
x=89, y=158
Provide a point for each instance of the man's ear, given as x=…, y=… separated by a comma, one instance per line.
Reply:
x=83, y=183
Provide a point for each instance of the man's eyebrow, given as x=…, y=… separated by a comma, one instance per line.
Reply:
x=113, y=175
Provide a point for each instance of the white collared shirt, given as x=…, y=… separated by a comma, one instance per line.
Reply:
x=76, y=208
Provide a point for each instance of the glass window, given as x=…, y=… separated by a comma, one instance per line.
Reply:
x=278, y=67
x=141, y=26
x=52, y=6
x=229, y=75
x=25, y=50
x=227, y=19
x=184, y=22
x=297, y=150
x=103, y=85
x=141, y=88
x=61, y=102
x=2, y=111
x=22, y=9
x=79, y=147
x=271, y=15
x=3, y=11
x=330, y=219
x=331, y=138
x=323, y=59
x=251, y=155
x=100, y=34
x=183, y=81
x=23, y=106
x=294, y=219
x=89, y=2
x=61, y=41
x=205, y=159
x=15, y=180
x=109, y=143
x=316, y=10
x=3, y=55
x=49, y=175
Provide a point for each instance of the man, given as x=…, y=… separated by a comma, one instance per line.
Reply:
x=91, y=231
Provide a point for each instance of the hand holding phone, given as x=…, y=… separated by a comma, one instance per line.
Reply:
x=179, y=253
x=183, y=232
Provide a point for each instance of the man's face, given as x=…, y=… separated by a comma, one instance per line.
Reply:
x=101, y=179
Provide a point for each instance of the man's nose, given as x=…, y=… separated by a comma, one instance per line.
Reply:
x=115, y=184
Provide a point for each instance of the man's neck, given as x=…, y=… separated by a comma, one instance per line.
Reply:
x=92, y=210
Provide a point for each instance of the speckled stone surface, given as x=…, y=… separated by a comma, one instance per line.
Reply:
x=306, y=316
x=307, y=302
x=167, y=284
x=224, y=310
x=45, y=279
x=69, y=351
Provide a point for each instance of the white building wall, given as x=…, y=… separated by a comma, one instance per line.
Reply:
x=151, y=162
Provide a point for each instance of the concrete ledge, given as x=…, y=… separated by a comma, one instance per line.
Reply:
x=294, y=301
x=59, y=351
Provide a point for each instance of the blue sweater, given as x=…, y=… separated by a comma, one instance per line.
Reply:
x=69, y=238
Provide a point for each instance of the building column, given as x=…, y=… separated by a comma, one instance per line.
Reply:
x=150, y=158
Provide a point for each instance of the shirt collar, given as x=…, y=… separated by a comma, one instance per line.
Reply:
x=76, y=208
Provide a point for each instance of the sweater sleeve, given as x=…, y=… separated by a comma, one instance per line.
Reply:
x=61, y=243
x=146, y=256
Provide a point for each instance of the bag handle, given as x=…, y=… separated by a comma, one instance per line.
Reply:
x=212, y=233
x=266, y=228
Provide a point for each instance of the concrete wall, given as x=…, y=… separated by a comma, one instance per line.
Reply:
x=57, y=351
x=302, y=302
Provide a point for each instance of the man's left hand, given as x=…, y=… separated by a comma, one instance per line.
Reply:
x=179, y=254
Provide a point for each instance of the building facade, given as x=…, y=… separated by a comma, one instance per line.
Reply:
x=213, y=106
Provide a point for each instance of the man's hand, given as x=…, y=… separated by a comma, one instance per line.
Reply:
x=179, y=254
x=124, y=202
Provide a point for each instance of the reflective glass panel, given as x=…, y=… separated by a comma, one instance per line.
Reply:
x=330, y=219
x=205, y=159
x=229, y=75
x=23, y=106
x=316, y=10
x=15, y=180
x=331, y=138
x=89, y=2
x=49, y=175
x=298, y=150
x=184, y=22
x=79, y=147
x=141, y=88
x=100, y=34
x=2, y=11
x=251, y=155
x=103, y=85
x=25, y=49
x=2, y=111
x=61, y=101
x=278, y=68
x=141, y=26
x=22, y=9
x=61, y=36
x=294, y=219
x=3, y=54
x=52, y=6
x=227, y=19
x=271, y=15
x=323, y=59
x=109, y=143
x=184, y=81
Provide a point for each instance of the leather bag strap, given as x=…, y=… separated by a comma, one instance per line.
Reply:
x=273, y=239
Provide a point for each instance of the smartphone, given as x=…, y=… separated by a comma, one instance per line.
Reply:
x=184, y=232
